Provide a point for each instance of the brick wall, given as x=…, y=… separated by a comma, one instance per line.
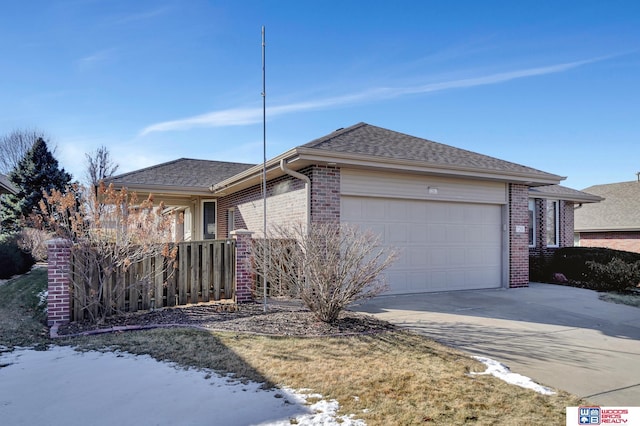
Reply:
x=59, y=292
x=627, y=241
x=518, y=241
x=325, y=193
x=565, y=228
x=286, y=204
x=244, y=277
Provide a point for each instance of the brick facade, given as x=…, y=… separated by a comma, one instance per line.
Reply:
x=565, y=228
x=286, y=204
x=244, y=277
x=59, y=291
x=325, y=194
x=627, y=241
x=518, y=241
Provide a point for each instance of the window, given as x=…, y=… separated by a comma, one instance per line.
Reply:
x=209, y=216
x=231, y=219
x=532, y=223
x=187, y=225
x=552, y=233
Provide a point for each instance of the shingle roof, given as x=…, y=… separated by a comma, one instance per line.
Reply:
x=6, y=187
x=620, y=209
x=365, y=139
x=563, y=193
x=182, y=173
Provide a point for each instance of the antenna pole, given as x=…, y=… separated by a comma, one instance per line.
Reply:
x=264, y=174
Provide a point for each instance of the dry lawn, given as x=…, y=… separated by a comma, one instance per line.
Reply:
x=389, y=378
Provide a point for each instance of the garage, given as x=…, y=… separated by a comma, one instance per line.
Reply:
x=443, y=244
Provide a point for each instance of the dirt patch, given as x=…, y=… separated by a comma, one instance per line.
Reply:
x=282, y=318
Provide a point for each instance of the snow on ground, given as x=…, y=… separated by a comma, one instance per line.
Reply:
x=63, y=387
x=502, y=372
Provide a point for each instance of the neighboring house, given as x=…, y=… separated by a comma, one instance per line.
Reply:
x=6, y=187
x=613, y=223
x=460, y=219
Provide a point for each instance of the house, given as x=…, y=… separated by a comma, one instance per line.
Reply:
x=6, y=187
x=613, y=223
x=460, y=219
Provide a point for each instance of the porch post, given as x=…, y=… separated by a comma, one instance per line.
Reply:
x=244, y=279
x=59, y=282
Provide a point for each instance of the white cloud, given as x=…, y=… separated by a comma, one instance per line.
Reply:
x=142, y=15
x=244, y=116
x=95, y=58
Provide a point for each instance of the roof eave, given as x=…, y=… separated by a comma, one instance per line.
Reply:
x=163, y=189
x=310, y=155
x=300, y=157
x=567, y=197
x=630, y=228
x=249, y=177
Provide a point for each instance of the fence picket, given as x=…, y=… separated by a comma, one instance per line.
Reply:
x=183, y=273
x=203, y=271
x=194, y=272
x=205, y=268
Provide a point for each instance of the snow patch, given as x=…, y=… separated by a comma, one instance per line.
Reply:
x=42, y=299
x=502, y=372
x=144, y=391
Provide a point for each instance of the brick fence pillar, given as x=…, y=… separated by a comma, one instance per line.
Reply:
x=244, y=278
x=59, y=295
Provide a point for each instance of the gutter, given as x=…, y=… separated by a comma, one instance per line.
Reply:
x=307, y=185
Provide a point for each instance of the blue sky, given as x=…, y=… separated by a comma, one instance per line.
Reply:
x=553, y=85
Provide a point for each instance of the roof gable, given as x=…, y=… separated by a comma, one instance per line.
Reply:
x=182, y=173
x=365, y=139
x=619, y=211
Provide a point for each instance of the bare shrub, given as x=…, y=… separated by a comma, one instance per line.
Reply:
x=329, y=266
x=111, y=231
x=34, y=241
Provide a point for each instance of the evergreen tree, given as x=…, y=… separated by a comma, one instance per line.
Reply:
x=38, y=171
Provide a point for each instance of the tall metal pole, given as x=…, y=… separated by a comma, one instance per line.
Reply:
x=264, y=174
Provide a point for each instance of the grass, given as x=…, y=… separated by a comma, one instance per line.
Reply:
x=22, y=318
x=631, y=299
x=389, y=378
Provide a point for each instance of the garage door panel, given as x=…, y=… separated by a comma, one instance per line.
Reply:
x=442, y=245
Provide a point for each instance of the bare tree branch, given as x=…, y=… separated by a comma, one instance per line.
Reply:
x=15, y=145
x=100, y=166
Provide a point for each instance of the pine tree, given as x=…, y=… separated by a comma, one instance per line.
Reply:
x=38, y=171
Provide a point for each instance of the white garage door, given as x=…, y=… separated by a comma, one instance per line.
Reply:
x=443, y=245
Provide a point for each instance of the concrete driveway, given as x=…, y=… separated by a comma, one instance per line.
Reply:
x=559, y=336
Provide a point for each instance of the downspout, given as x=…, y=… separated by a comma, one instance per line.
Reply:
x=307, y=184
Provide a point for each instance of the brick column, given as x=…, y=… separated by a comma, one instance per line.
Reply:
x=325, y=194
x=59, y=295
x=244, y=278
x=518, y=235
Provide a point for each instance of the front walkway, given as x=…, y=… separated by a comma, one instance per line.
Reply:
x=559, y=336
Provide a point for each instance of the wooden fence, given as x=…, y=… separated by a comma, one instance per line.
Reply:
x=203, y=272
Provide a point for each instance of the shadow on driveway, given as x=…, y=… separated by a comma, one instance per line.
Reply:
x=560, y=336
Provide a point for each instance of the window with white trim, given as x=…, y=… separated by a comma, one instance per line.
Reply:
x=552, y=224
x=532, y=223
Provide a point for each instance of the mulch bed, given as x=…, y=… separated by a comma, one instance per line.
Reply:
x=282, y=318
